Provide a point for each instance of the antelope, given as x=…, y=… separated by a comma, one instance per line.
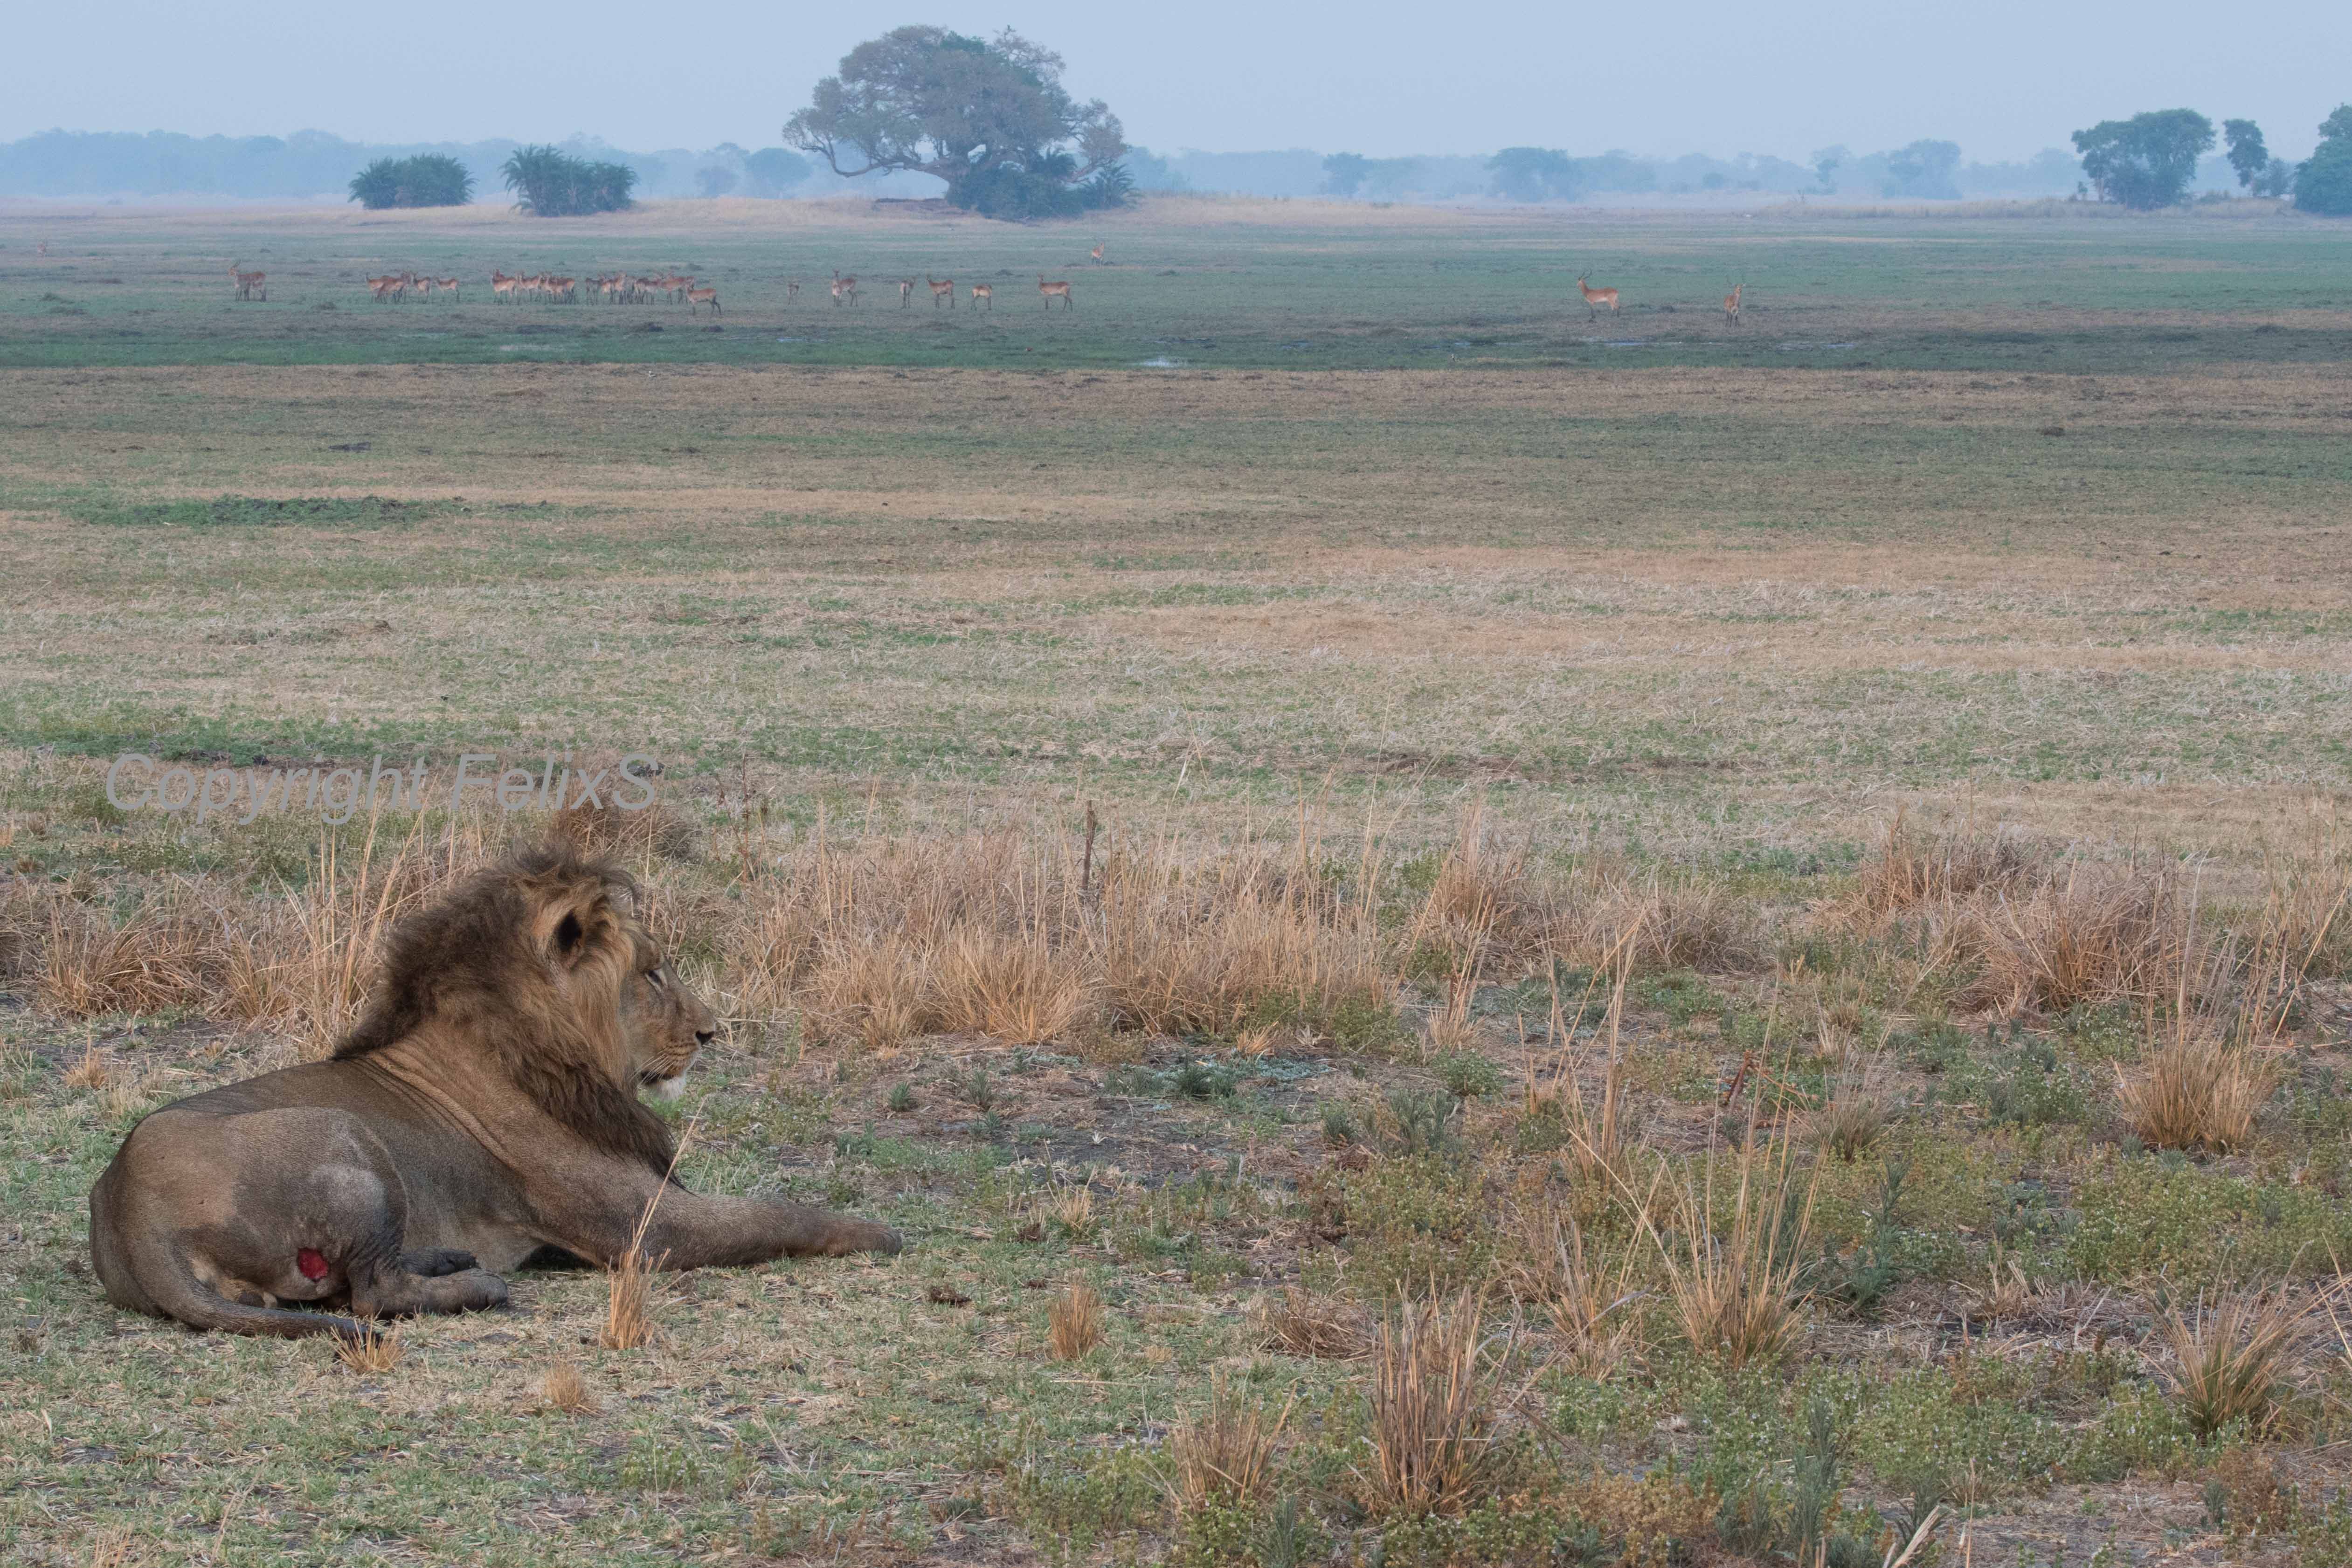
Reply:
x=792, y=290
x=695, y=296
x=677, y=283
x=247, y=282
x=844, y=287
x=1097, y=256
x=1596, y=298
x=43, y=249
x=942, y=288
x=391, y=285
x=449, y=286
x=1048, y=291
x=905, y=291
x=503, y=285
x=1731, y=302
x=981, y=291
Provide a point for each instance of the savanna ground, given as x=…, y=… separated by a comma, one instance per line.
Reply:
x=1889, y=749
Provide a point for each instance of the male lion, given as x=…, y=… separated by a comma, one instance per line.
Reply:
x=484, y=1108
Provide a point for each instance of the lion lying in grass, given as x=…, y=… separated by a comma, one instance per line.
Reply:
x=484, y=1108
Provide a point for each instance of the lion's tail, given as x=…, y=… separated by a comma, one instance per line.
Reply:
x=182, y=1295
x=157, y=1278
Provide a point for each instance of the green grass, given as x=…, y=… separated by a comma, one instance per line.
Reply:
x=1210, y=284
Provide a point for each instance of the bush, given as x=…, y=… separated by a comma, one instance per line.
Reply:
x=427, y=180
x=551, y=184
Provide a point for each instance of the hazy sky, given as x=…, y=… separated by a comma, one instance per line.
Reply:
x=2002, y=77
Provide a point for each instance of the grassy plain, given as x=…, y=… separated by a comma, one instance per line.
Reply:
x=2029, y=527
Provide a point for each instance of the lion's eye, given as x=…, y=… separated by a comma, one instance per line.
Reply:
x=654, y=976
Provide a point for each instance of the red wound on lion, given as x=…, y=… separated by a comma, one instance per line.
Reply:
x=313, y=1262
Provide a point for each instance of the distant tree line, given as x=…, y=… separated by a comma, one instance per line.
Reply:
x=314, y=163
x=2147, y=162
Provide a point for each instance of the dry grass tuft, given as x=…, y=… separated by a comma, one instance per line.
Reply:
x=629, y=1306
x=1074, y=1321
x=1913, y=870
x=2098, y=934
x=1593, y=1310
x=872, y=991
x=1015, y=989
x=564, y=1388
x=1432, y=1410
x=2198, y=1091
x=656, y=832
x=1851, y=1122
x=1658, y=922
x=373, y=1349
x=2230, y=1359
x=1301, y=1321
x=92, y=1071
x=1738, y=1296
x=161, y=955
x=113, y=1548
x=1223, y=1454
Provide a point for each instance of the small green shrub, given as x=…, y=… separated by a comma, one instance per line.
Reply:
x=1468, y=1075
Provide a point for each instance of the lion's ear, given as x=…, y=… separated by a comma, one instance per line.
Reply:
x=568, y=934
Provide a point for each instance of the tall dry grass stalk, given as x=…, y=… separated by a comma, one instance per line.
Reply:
x=1597, y=1132
x=1432, y=1409
x=1737, y=1289
x=1222, y=1454
x=2230, y=1358
x=1594, y=1309
x=631, y=1303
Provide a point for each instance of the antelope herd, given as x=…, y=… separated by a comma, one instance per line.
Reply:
x=680, y=288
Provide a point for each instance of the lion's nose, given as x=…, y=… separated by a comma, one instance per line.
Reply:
x=705, y=1035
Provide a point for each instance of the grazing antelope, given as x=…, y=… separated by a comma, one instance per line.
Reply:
x=1594, y=298
x=1050, y=290
x=1096, y=255
x=695, y=296
x=449, y=288
x=391, y=285
x=248, y=283
x=677, y=283
x=906, y=292
x=981, y=291
x=844, y=287
x=942, y=288
x=1731, y=302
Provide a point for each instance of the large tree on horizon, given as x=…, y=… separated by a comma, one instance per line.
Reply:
x=989, y=116
x=2146, y=162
